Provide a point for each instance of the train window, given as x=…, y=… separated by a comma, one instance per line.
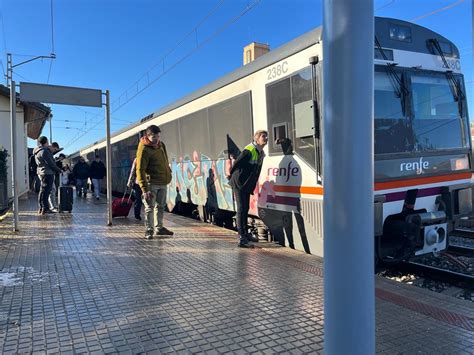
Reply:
x=280, y=131
x=236, y=110
x=194, y=132
x=279, y=111
x=170, y=136
x=400, y=33
x=392, y=130
x=303, y=115
x=388, y=53
x=437, y=123
x=446, y=48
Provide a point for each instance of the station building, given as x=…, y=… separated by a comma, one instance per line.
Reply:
x=30, y=120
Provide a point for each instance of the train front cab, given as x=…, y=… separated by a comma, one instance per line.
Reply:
x=423, y=161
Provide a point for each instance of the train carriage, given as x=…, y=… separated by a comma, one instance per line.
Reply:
x=422, y=141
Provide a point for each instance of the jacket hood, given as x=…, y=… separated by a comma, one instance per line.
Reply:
x=148, y=143
x=37, y=150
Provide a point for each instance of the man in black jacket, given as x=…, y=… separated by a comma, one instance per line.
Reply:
x=81, y=172
x=243, y=179
x=97, y=173
x=45, y=170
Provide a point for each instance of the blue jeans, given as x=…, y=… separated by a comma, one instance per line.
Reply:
x=81, y=186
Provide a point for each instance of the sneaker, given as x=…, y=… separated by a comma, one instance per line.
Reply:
x=164, y=231
x=48, y=211
x=97, y=198
x=54, y=210
x=149, y=234
x=244, y=243
x=138, y=218
x=252, y=238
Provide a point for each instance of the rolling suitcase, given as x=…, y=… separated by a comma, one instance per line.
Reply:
x=65, y=198
x=121, y=206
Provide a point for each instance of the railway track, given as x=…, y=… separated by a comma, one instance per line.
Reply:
x=463, y=232
x=461, y=251
x=465, y=281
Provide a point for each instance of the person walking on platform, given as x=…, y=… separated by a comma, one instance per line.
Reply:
x=243, y=178
x=81, y=172
x=45, y=170
x=136, y=191
x=153, y=175
x=97, y=173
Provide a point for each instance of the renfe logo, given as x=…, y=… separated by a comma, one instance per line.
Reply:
x=417, y=166
x=288, y=171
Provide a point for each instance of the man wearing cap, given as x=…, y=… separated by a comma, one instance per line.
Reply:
x=45, y=170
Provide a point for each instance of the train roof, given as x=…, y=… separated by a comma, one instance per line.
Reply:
x=383, y=28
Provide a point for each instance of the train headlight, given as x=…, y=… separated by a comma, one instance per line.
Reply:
x=459, y=164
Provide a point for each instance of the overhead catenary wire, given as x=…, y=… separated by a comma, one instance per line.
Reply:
x=173, y=49
x=247, y=9
x=444, y=8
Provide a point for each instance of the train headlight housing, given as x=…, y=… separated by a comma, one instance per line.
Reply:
x=459, y=164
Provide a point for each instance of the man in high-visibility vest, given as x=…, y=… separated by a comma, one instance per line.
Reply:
x=243, y=179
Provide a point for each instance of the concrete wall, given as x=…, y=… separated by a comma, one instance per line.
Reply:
x=21, y=148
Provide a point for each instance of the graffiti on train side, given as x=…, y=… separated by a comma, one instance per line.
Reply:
x=200, y=181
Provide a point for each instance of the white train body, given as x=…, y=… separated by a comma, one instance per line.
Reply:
x=275, y=93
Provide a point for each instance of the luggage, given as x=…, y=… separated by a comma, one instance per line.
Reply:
x=65, y=198
x=121, y=206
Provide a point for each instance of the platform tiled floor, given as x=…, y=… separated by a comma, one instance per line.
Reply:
x=69, y=283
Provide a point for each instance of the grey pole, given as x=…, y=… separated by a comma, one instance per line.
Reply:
x=349, y=300
x=50, y=129
x=108, y=154
x=13, y=153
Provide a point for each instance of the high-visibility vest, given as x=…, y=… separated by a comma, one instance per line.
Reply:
x=253, y=150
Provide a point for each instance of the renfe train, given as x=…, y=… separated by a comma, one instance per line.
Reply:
x=422, y=142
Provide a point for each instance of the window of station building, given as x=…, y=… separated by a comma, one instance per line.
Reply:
x=400, y=33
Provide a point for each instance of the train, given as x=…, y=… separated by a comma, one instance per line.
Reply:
x=422, y=144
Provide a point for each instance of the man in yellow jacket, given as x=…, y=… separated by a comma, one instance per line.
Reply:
x=153, y=175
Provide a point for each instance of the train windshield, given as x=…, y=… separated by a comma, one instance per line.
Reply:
x=436, y=119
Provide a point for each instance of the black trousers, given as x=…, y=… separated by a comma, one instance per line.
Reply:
x=45, y=189
x=137, y=193
x=242, y=201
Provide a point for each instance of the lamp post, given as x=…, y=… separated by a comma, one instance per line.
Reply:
x=11, y=84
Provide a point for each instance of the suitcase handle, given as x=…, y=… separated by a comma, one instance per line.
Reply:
x=123, y=197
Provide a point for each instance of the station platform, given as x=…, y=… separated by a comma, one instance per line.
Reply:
x=69, y=283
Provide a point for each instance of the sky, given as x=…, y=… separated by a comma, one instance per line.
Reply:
x=150, y=53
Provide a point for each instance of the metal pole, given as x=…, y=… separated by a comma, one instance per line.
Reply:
x=13, y=154
x=50, y=129
x=108, y=153
x=349, y=300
